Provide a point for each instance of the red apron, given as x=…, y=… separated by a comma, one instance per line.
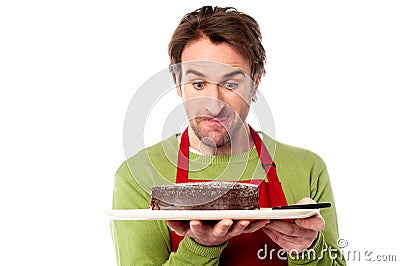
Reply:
x=246, y=249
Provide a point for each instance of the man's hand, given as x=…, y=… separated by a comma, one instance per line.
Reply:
x=298, y=236
x=215, y=234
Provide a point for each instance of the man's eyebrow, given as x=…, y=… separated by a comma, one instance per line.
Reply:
x=226, y=76
x=194, y=72
x=233, y=73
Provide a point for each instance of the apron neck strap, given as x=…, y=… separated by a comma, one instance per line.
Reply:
x=183, y=159
x=265, y=158
x=266, y=161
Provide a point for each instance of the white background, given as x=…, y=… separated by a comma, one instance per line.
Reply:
x=68, y=70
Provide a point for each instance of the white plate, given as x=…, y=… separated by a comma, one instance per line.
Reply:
x=264, y=213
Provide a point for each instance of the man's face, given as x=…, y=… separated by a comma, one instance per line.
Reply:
x=216, y=90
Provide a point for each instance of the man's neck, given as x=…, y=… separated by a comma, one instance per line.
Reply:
x=242, y=142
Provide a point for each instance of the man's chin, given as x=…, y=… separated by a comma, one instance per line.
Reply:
x=215, y=135
x=215, y=140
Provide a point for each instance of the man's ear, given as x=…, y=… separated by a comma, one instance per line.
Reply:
x=255, y=88
x=178, y=89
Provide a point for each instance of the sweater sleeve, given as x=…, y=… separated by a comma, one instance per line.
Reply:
x=324, y=250
x=203, y=255
x=148, y=242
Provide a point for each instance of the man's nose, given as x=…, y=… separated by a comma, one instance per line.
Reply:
x=214, y=103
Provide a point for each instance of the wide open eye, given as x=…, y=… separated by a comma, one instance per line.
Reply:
x=198, y=85
x=230, y=85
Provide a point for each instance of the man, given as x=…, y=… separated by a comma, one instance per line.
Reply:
x=217, y=61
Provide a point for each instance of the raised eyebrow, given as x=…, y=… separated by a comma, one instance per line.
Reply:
x=232, y=74
x=195, y=72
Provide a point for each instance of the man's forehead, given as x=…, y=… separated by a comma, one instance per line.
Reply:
x=211, y=70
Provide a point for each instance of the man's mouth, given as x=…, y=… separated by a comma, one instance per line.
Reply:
x=215, y=121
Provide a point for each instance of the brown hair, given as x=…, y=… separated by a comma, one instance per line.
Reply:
x=220, y=24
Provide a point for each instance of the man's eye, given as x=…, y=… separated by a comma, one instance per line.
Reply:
x=230, y=86
x=198, y=85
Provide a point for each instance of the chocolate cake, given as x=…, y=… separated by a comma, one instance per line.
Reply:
x=215, y=195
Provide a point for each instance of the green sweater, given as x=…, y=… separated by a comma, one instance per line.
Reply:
x=301, y=172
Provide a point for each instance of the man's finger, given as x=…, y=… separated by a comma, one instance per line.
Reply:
x=316, y=223
x=290, y=229
x=222, y=228
x=180, y=227
x=255, y=225
x=305, y=200
x=238, y=227
x=297, y=240
x=196, y=227
x=283, y=242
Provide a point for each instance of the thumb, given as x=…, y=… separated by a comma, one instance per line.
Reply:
x=305, y=200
